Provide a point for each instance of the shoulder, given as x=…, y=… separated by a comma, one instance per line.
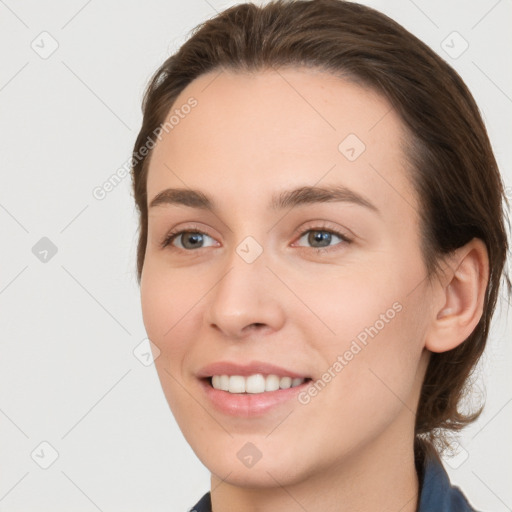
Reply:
x=437, y=493
x=203, y=505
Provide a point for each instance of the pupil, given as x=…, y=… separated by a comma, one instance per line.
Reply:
x=195, y=237
x=320, y=236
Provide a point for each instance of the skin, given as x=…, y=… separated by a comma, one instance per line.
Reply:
x=249, y=136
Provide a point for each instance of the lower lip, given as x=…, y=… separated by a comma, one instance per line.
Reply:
x=249, y=404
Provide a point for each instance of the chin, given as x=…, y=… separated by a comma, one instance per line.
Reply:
x=241, y=464
x=260, y=476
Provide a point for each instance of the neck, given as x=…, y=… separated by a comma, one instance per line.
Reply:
x=380, y=476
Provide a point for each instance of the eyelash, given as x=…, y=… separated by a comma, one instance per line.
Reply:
x=170, y=237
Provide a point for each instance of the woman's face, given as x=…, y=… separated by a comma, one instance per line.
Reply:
x=327, y=286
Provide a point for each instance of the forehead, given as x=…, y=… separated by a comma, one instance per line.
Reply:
x=249, y=134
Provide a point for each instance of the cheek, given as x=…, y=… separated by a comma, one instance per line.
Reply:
x=382, y=380
x=172, y=312
x=167, y=310
x=167, y=298
x=153, y=299
x=352, y=307
x=375, y=352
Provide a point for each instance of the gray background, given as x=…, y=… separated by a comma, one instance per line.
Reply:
x=70, y=321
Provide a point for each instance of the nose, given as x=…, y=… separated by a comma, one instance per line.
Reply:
x=247, y=299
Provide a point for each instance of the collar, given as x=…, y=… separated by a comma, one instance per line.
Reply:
x=436, y=492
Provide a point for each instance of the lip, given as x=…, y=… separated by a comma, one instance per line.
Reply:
x=248, y=405
x=231, y=368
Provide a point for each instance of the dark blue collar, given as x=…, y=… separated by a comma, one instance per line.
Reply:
x=436, y=492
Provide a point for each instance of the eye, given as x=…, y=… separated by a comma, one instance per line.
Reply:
x=188, y=238
x=321, y=238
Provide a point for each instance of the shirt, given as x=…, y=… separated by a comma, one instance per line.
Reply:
x=436, y=492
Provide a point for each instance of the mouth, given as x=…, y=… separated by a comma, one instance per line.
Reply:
x=252, y=389
x=257, y=383
x=252, y=396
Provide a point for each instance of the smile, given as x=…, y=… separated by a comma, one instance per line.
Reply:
x=256, y=383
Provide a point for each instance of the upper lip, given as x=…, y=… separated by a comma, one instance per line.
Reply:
x=231, y=368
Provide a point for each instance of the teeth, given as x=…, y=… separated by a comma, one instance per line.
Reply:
x=256, y=383
x=285, y=382
x=224, y=382
x=236, y=384
x=272, y=383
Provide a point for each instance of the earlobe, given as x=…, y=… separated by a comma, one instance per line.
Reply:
x=461, y=298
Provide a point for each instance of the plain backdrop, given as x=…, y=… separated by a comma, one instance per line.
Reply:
x=84, y=424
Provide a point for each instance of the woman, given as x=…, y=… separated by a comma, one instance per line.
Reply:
x=321, y=247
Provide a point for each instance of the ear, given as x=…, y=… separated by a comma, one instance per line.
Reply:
x=459, y=297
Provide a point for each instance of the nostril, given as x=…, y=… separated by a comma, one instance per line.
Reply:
x=257, y=326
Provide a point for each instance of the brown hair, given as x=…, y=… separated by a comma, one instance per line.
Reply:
x=452, y=164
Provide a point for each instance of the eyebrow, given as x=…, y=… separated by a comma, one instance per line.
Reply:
x=288, y=198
